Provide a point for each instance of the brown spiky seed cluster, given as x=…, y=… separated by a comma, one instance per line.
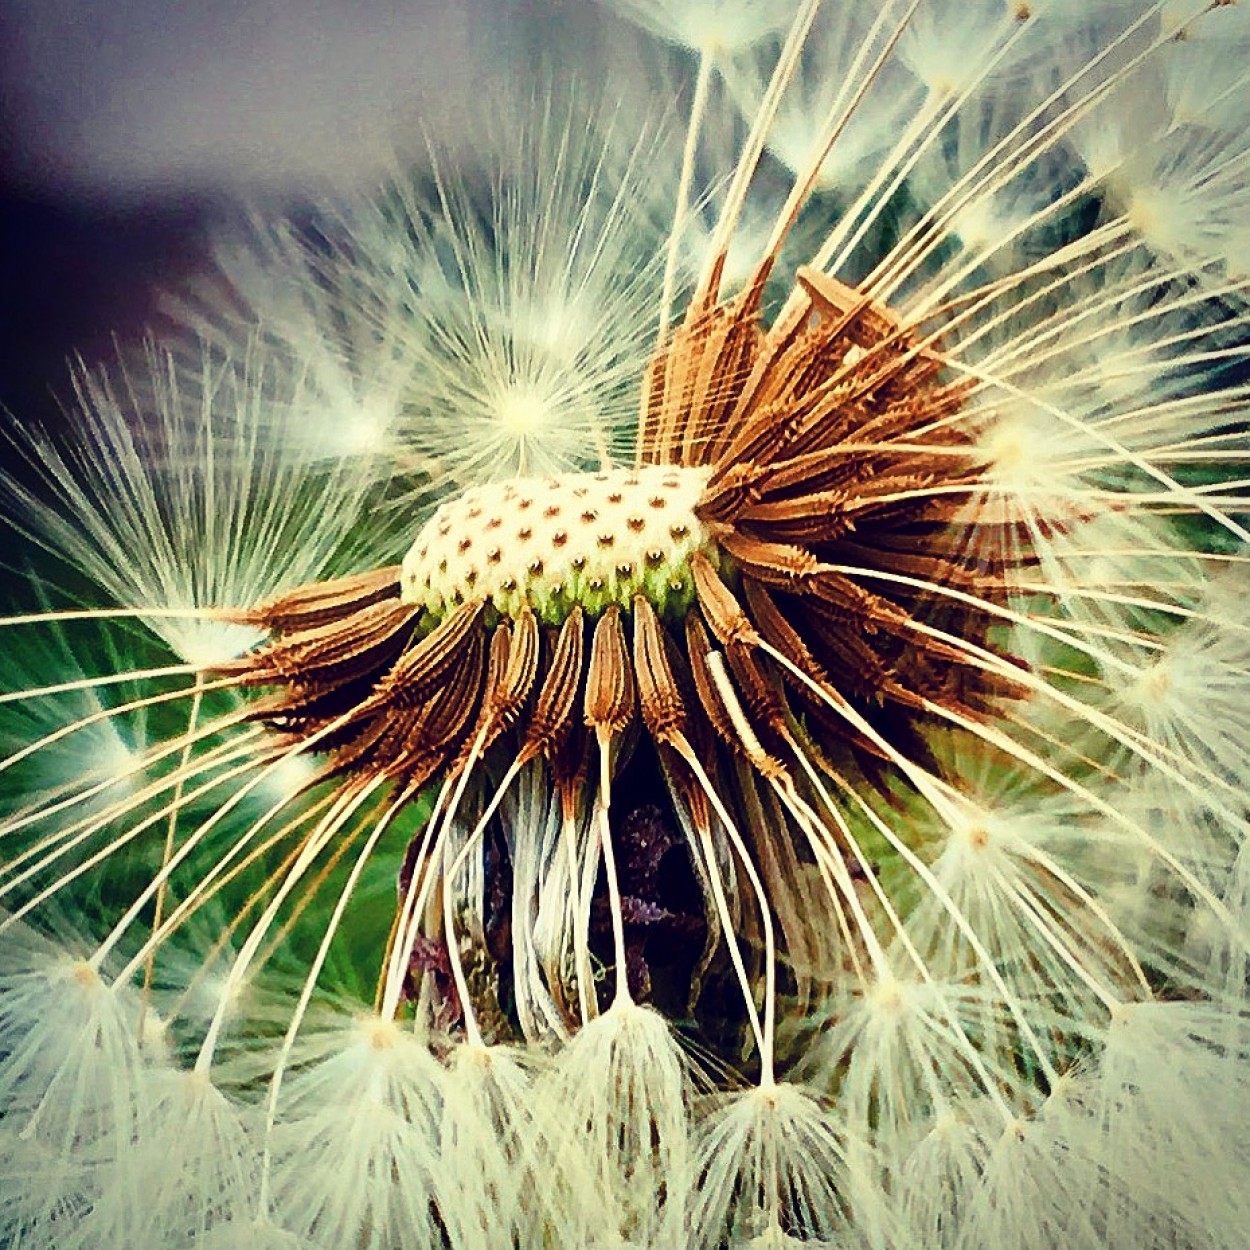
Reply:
x=780, y=471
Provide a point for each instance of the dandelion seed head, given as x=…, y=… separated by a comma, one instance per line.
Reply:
x=370, y=1102
x=1193, y=690
x=291, y=776
x=981, y=225
x=367, y=431
x=507, y=313
x=1027, y=453
x=156, y=1037
x=260, y=1233
x=791, y=790
x=839, y=36
x=179, y=512
x=627, y=1086
x=522, y=412
x=946, y=43
x=72, y=1085
x=111, y=746
x=770, y=1163
x=720, y=27
x=217, y=992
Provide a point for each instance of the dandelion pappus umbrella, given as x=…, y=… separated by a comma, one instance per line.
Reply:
x=810, y=828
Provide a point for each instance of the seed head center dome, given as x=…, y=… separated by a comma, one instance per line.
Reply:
x=589, y=539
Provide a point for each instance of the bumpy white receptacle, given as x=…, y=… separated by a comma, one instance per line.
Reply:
x=580, y=538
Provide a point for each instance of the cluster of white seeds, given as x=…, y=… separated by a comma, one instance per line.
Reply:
x=579, y=538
